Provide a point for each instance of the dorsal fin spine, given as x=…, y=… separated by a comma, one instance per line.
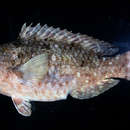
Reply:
x=36, y=29
x=23, y=28
x=42, y=30
x=40, y=33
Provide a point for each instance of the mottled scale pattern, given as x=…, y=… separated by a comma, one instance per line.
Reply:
x=69, y=54
x=94, y=81
x=69, y=63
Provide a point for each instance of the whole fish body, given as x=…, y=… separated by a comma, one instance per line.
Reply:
x=48, y=64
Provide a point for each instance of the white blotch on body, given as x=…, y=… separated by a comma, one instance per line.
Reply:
x=53, y=58
x=104, y=58
x=78, y=74
x=110, y=63
x=86, y=81
x=56, y=46
x=117, y=57
x=95, y=74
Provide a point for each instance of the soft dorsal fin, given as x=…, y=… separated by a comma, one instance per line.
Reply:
x=40, y=33
x=35, y=68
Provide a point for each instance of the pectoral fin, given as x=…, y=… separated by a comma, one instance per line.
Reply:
x=23, y=106
x=35, y=68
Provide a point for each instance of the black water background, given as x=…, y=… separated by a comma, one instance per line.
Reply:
x=109, y=110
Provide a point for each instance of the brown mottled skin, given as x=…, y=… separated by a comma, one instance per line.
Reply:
x=71, y=59
x=79, y=68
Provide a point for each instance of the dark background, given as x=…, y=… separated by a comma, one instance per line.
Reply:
x=109, y=110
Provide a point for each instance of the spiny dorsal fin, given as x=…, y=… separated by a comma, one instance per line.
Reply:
x=41, y=33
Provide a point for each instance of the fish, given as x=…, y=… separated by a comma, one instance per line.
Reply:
x=47, y=64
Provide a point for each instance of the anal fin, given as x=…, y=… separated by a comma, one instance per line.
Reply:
x=23, y=106
x=92, y=91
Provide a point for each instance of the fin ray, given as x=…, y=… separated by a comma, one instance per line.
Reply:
x=22, y=106
x=93, y=91
x=35, y=68
x=41, y=33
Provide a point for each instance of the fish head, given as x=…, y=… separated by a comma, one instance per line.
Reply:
x=8, y=79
